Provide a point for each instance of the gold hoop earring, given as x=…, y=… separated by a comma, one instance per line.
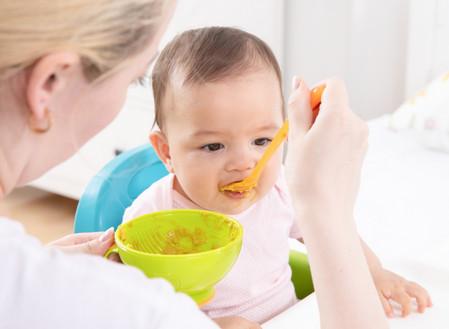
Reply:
x=38, y=126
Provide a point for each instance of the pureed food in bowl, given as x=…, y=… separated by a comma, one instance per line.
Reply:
x=193, y=249
x=178, y=232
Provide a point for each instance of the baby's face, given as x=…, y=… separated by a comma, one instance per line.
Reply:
x=217, y=132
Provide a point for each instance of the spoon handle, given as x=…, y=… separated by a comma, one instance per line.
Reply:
x=277, y=140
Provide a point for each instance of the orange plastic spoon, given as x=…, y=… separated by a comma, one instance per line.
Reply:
x=315, y=100
x=250, y=182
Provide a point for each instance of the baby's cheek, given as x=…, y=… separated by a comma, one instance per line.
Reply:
x=201, y=185
x=266, y=183
x=272, y=171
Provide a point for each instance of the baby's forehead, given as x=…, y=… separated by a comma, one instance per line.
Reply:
x=255, y=79
x=255, y=93
x=221, y=113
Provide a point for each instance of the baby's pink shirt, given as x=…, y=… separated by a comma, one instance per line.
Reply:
x=259, y=286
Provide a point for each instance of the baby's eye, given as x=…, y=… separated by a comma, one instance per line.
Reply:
x=262, y=141
x=213, y=147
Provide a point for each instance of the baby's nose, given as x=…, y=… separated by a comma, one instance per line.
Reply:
x=242, y=161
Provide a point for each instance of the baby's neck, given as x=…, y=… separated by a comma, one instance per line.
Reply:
x=178, y=188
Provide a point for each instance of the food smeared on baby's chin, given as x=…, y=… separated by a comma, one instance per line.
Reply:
x=241, y=197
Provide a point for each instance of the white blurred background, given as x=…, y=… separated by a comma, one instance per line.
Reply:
x=385, y=50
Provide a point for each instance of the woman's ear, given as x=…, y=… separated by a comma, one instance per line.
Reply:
x=46, y=77
x=160, y=145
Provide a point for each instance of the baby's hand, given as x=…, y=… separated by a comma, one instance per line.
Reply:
x=236, y=322
x=392, y=286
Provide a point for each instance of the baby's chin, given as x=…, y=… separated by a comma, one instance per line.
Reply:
x=229, y=210
x=235, y=211
x=234, y=206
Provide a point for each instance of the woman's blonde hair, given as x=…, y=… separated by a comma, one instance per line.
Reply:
x=104, y=33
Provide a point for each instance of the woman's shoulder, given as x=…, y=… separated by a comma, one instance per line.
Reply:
x=13, y=233
x=9, y=227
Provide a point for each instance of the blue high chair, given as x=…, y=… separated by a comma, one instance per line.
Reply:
x=114, y=188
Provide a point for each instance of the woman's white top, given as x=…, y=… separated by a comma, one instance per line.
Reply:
x=43, y=288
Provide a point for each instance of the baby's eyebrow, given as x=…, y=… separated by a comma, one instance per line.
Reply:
x=204, y=133
x=268, y=127
x=264, y=128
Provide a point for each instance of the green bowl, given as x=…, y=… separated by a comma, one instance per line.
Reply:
x=193, y=249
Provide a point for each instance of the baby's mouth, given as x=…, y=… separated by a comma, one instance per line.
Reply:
x=233, y=193
x=237, y=195
x=230, y=187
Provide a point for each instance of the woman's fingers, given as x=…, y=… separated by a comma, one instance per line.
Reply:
x=93, y=247
x=335, y=96
x=77, y=238
x=96, y=243
x=324, y=160
x=334, y=99
x=299, y=111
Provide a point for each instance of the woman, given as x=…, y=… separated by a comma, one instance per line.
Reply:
x=64, y=70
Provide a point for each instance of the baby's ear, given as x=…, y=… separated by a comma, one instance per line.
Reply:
x=160, y=145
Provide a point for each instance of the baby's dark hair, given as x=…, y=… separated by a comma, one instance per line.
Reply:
x=208, y=55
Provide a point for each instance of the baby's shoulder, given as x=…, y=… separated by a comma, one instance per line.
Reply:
x=154, y=198
x=280, y=188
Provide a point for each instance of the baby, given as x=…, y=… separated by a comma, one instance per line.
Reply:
x=218, y=102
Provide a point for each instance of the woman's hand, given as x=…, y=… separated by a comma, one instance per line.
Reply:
x=323, y=166
x=95, y=243
x=325, y=157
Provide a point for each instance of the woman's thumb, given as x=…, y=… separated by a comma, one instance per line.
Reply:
x=335, y=96
x=299, y=111
x=97, y=246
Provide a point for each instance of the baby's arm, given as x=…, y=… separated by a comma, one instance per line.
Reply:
x=391, y=286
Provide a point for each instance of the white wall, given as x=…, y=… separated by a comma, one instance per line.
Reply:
x=263, y=18
x=364, y=42
x=428, y=44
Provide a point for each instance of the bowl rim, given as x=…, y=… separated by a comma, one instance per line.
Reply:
x=237, y=240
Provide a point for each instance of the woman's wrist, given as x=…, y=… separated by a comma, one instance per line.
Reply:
x=340, y=271
x=323, y=215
